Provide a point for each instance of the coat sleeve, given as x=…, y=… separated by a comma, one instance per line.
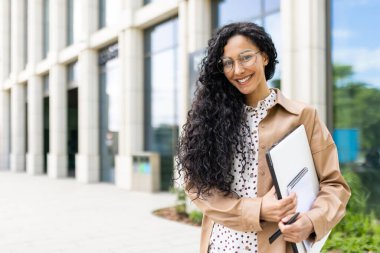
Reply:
x=241, y=214
x=330, y=205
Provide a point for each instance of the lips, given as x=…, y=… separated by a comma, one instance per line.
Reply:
x=244, y=80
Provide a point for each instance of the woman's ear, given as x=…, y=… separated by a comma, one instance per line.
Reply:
x=265, y=59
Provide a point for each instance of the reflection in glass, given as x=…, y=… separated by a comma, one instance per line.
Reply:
x=109, y=12
x=72, y=75
x=26, y=16
x=271, y=5
x=73, y=21
x=45, y=28
x=227, y=11
x=265, y=13
x=150, y=1
x=45, y=83
x=356, y=92
x=273, y=27
x=110, y=110
x=162, y=94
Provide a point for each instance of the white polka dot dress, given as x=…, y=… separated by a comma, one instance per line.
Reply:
x=245, y=166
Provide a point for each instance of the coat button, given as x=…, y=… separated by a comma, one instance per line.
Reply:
x=263, y=146
x=262, y=126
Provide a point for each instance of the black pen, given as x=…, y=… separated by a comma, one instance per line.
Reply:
x=278, y=231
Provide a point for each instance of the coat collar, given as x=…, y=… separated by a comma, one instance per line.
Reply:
x=289, y=105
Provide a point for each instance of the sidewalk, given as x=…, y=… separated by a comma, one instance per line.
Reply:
x=38, y=215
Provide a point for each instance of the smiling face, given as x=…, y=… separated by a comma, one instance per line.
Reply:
x=250, y=79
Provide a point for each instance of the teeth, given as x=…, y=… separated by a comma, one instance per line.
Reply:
x=244, y=80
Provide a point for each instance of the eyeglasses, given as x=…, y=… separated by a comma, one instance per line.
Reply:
x=245, y=59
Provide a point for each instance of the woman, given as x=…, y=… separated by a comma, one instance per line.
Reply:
x=234, y=119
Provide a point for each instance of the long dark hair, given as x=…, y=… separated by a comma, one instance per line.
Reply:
x=212, y=133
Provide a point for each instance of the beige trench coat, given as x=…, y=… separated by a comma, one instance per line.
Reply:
x=243, y=214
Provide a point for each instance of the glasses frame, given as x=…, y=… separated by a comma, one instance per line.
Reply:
x=238, y=60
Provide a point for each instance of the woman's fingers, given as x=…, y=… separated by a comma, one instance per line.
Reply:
x=288, y=205
x=297, y=231
x=273, y=209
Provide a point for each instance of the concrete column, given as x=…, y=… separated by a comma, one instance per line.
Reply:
x=304, y=52
x=199, y=24
x=4, y=130
x=18, y=90
x=18, y=128
x=88, y=160
x=131, y=133
x=4, y=95
x=35, y=155
x=5, y=41
x=18, y=32
x=132, y=128
x=183, y=51
x=90, y=18
x=35, y=32
x=57, y=157
x=57, y=28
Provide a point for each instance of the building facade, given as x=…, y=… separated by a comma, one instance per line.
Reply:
x=86, y=86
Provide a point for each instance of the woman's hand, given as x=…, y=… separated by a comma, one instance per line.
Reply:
x=297, y=231
x=274, y=210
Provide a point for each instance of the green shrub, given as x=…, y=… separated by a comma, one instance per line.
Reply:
x=180, y=206
x=358, y=231
x=359, y=194
x=196, y=217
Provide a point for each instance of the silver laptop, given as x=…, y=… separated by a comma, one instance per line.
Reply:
x=292, y=168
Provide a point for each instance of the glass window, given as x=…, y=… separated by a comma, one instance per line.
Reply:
x=272, y=25
x=72, y=75
x=9, y=29
x=262, y=12
x=45, y=82
x=45, y=28
x=150, y=1
x=73, y=21
x=227, y=11
x=109, y=12
x=272, y=5
x=110, y=110
x=356, y=91
x=26, y=31
x=162, y=94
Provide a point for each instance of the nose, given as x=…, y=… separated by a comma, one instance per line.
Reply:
x=238, y=69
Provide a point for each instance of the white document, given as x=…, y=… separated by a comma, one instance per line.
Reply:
x=292, y=168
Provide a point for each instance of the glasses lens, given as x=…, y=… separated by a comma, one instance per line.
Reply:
x=247, y=60
x=220, y=66
x=225, y=65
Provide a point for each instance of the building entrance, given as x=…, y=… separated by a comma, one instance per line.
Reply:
x=46, y=132
x=72, y=128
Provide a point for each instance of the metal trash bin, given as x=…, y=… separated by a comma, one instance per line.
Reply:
x=146, y=172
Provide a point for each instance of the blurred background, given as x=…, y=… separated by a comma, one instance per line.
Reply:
x=97, y=90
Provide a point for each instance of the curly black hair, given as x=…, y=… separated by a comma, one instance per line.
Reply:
x=212, y=133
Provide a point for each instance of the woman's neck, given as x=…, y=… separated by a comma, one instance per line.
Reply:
x=258, y=95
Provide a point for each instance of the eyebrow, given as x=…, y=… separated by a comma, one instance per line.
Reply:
x=242, y=52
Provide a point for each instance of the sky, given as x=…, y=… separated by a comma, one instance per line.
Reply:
x=356, y=38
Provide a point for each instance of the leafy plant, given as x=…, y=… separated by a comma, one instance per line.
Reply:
x=358, y=231
x=180, y=206
x=196, y=217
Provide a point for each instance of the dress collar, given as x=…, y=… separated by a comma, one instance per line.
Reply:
x=268, y=102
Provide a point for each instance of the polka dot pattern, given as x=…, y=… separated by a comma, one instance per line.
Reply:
x=245, y=166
